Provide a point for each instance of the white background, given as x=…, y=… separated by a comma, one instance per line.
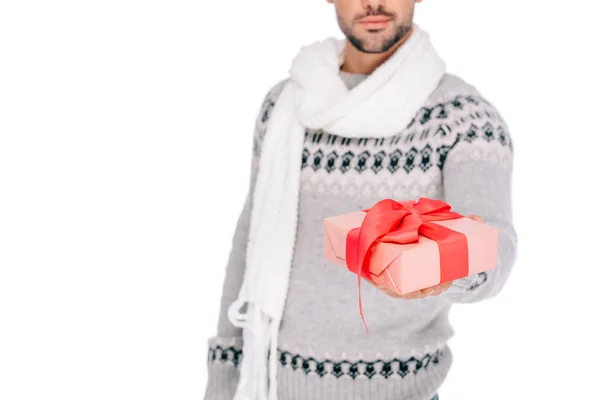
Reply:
x=125, y=136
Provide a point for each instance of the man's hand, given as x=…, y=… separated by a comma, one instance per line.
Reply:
x=427, y=292
x=419, y=294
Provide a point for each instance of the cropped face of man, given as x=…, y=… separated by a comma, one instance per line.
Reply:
x=375, y=26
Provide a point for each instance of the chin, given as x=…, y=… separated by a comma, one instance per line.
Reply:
x=375, y=45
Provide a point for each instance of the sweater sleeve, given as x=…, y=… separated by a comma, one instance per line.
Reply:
x=225, y=348
x=477, y=179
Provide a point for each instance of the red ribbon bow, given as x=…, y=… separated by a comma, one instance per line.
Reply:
x=390, y=221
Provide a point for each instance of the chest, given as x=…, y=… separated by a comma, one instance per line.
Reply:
x=400, y=167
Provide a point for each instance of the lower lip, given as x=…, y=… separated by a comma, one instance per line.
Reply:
x=375, y=25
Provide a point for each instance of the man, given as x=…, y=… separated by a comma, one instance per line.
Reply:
x=370, y=117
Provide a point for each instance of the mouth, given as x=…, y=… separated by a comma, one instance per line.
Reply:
x=374, y=22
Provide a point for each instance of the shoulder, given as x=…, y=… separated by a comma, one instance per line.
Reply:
x=458, y=111
x=467, y=125
x=268, y=102
x=262, y=119
x=452, y=86
x=455, y=98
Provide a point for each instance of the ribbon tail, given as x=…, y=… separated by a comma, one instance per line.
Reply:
x=360, y=304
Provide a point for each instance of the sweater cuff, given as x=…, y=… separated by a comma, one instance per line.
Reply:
x=467, y=284
x=224, y=358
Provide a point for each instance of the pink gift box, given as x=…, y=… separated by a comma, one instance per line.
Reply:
x=405, y=268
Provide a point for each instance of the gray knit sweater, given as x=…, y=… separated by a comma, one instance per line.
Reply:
x=457, y=149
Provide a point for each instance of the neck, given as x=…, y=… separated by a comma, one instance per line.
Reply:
x=358, y=62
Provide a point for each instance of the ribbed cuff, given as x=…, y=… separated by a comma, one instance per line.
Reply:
x=467, y=284
x=224, y=357
x=222, y=382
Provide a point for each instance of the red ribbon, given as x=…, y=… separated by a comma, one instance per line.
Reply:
x=390, y=221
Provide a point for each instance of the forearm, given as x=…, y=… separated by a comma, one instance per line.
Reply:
x=225, y=348
x=477, y=180
x=488, y=284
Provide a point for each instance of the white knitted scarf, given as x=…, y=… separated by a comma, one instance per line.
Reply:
x=315, y=97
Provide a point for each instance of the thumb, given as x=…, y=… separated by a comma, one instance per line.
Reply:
x=475, y=217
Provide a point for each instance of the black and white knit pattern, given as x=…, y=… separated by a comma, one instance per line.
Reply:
x=386, y=368
x=466, y=125
x=457, y=148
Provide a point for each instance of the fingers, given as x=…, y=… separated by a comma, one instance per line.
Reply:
x=441, y=288
x=475, y=217
x=385, y=290
x=390, y=293
x=445, y=286
x=418, y=294
x=428, y=292
x=412, y=296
